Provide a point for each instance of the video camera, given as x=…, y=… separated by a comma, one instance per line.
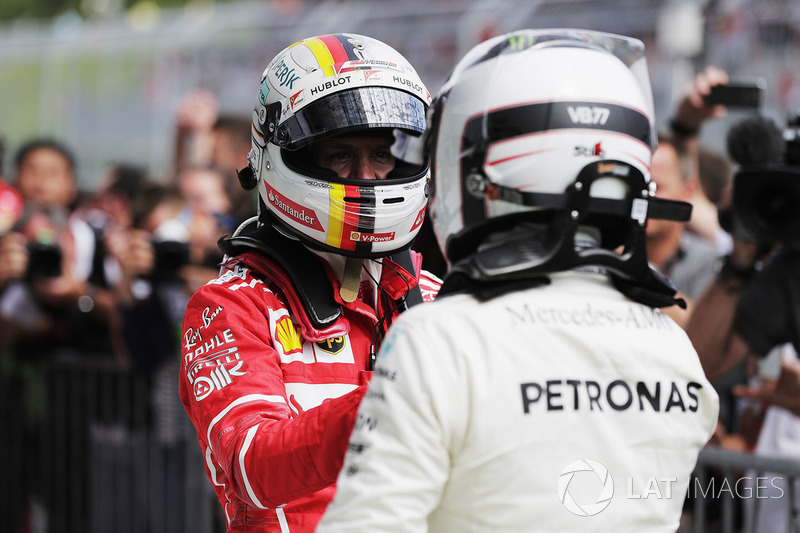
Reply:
x=766, y=195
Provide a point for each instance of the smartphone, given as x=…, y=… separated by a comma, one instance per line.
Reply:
x=744, y=94
x=769, y=367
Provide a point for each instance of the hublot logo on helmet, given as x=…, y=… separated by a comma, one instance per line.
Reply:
x=330, y=84
x=408, y=83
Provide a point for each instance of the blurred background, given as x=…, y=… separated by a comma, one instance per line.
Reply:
x=107, y=75
x=94, y=436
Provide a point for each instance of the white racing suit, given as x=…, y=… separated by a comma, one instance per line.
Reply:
x=565, y=407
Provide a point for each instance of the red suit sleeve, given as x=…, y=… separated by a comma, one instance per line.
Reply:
x=232, y=387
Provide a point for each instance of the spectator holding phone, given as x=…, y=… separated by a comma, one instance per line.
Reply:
x=680, y=254
x=686, y=253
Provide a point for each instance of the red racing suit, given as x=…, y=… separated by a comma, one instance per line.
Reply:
x=273, y=398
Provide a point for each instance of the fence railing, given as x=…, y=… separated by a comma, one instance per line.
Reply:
x=759, y=474
x=96, y=447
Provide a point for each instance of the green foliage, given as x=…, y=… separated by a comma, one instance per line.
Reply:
x=35, y=9
x=48, y=9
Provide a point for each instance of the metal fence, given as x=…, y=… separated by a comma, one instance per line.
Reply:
x=94, y=447
x=742, y=489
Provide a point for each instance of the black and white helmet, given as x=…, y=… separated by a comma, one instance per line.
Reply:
x=527, y=111
x=554, y=127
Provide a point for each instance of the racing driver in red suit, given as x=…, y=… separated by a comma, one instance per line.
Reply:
x=277, y=351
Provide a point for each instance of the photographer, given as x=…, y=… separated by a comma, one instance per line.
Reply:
x=157, y=277
x=52, y=308
x=746, y=311
x=59, y=306
x=42, y=323
x=160, y=268
x=686, y=253
x=752, y=310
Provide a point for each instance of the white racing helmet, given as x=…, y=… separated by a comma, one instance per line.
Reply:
x=525, y=113
x=330, y=85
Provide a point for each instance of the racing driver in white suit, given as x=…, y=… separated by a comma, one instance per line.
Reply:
x=544, y=389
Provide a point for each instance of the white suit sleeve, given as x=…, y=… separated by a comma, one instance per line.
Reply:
x=398, y=460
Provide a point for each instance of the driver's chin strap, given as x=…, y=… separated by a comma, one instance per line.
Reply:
x=351, y=279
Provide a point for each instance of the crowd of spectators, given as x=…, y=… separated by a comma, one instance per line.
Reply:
x=103, y=276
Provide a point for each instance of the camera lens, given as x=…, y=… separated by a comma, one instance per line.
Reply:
x=776, y=205
x=768, y=203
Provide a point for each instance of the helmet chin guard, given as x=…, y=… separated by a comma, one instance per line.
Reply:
x=528, y=257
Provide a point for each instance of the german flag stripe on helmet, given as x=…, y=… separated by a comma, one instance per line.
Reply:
x=351, y=218
x=347, y=46
x=336, y=216
x=322, y=53
x=330, y=50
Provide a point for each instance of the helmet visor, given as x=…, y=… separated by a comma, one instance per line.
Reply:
x=353, y=110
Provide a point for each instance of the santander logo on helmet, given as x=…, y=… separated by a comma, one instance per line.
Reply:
x=295, y=211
